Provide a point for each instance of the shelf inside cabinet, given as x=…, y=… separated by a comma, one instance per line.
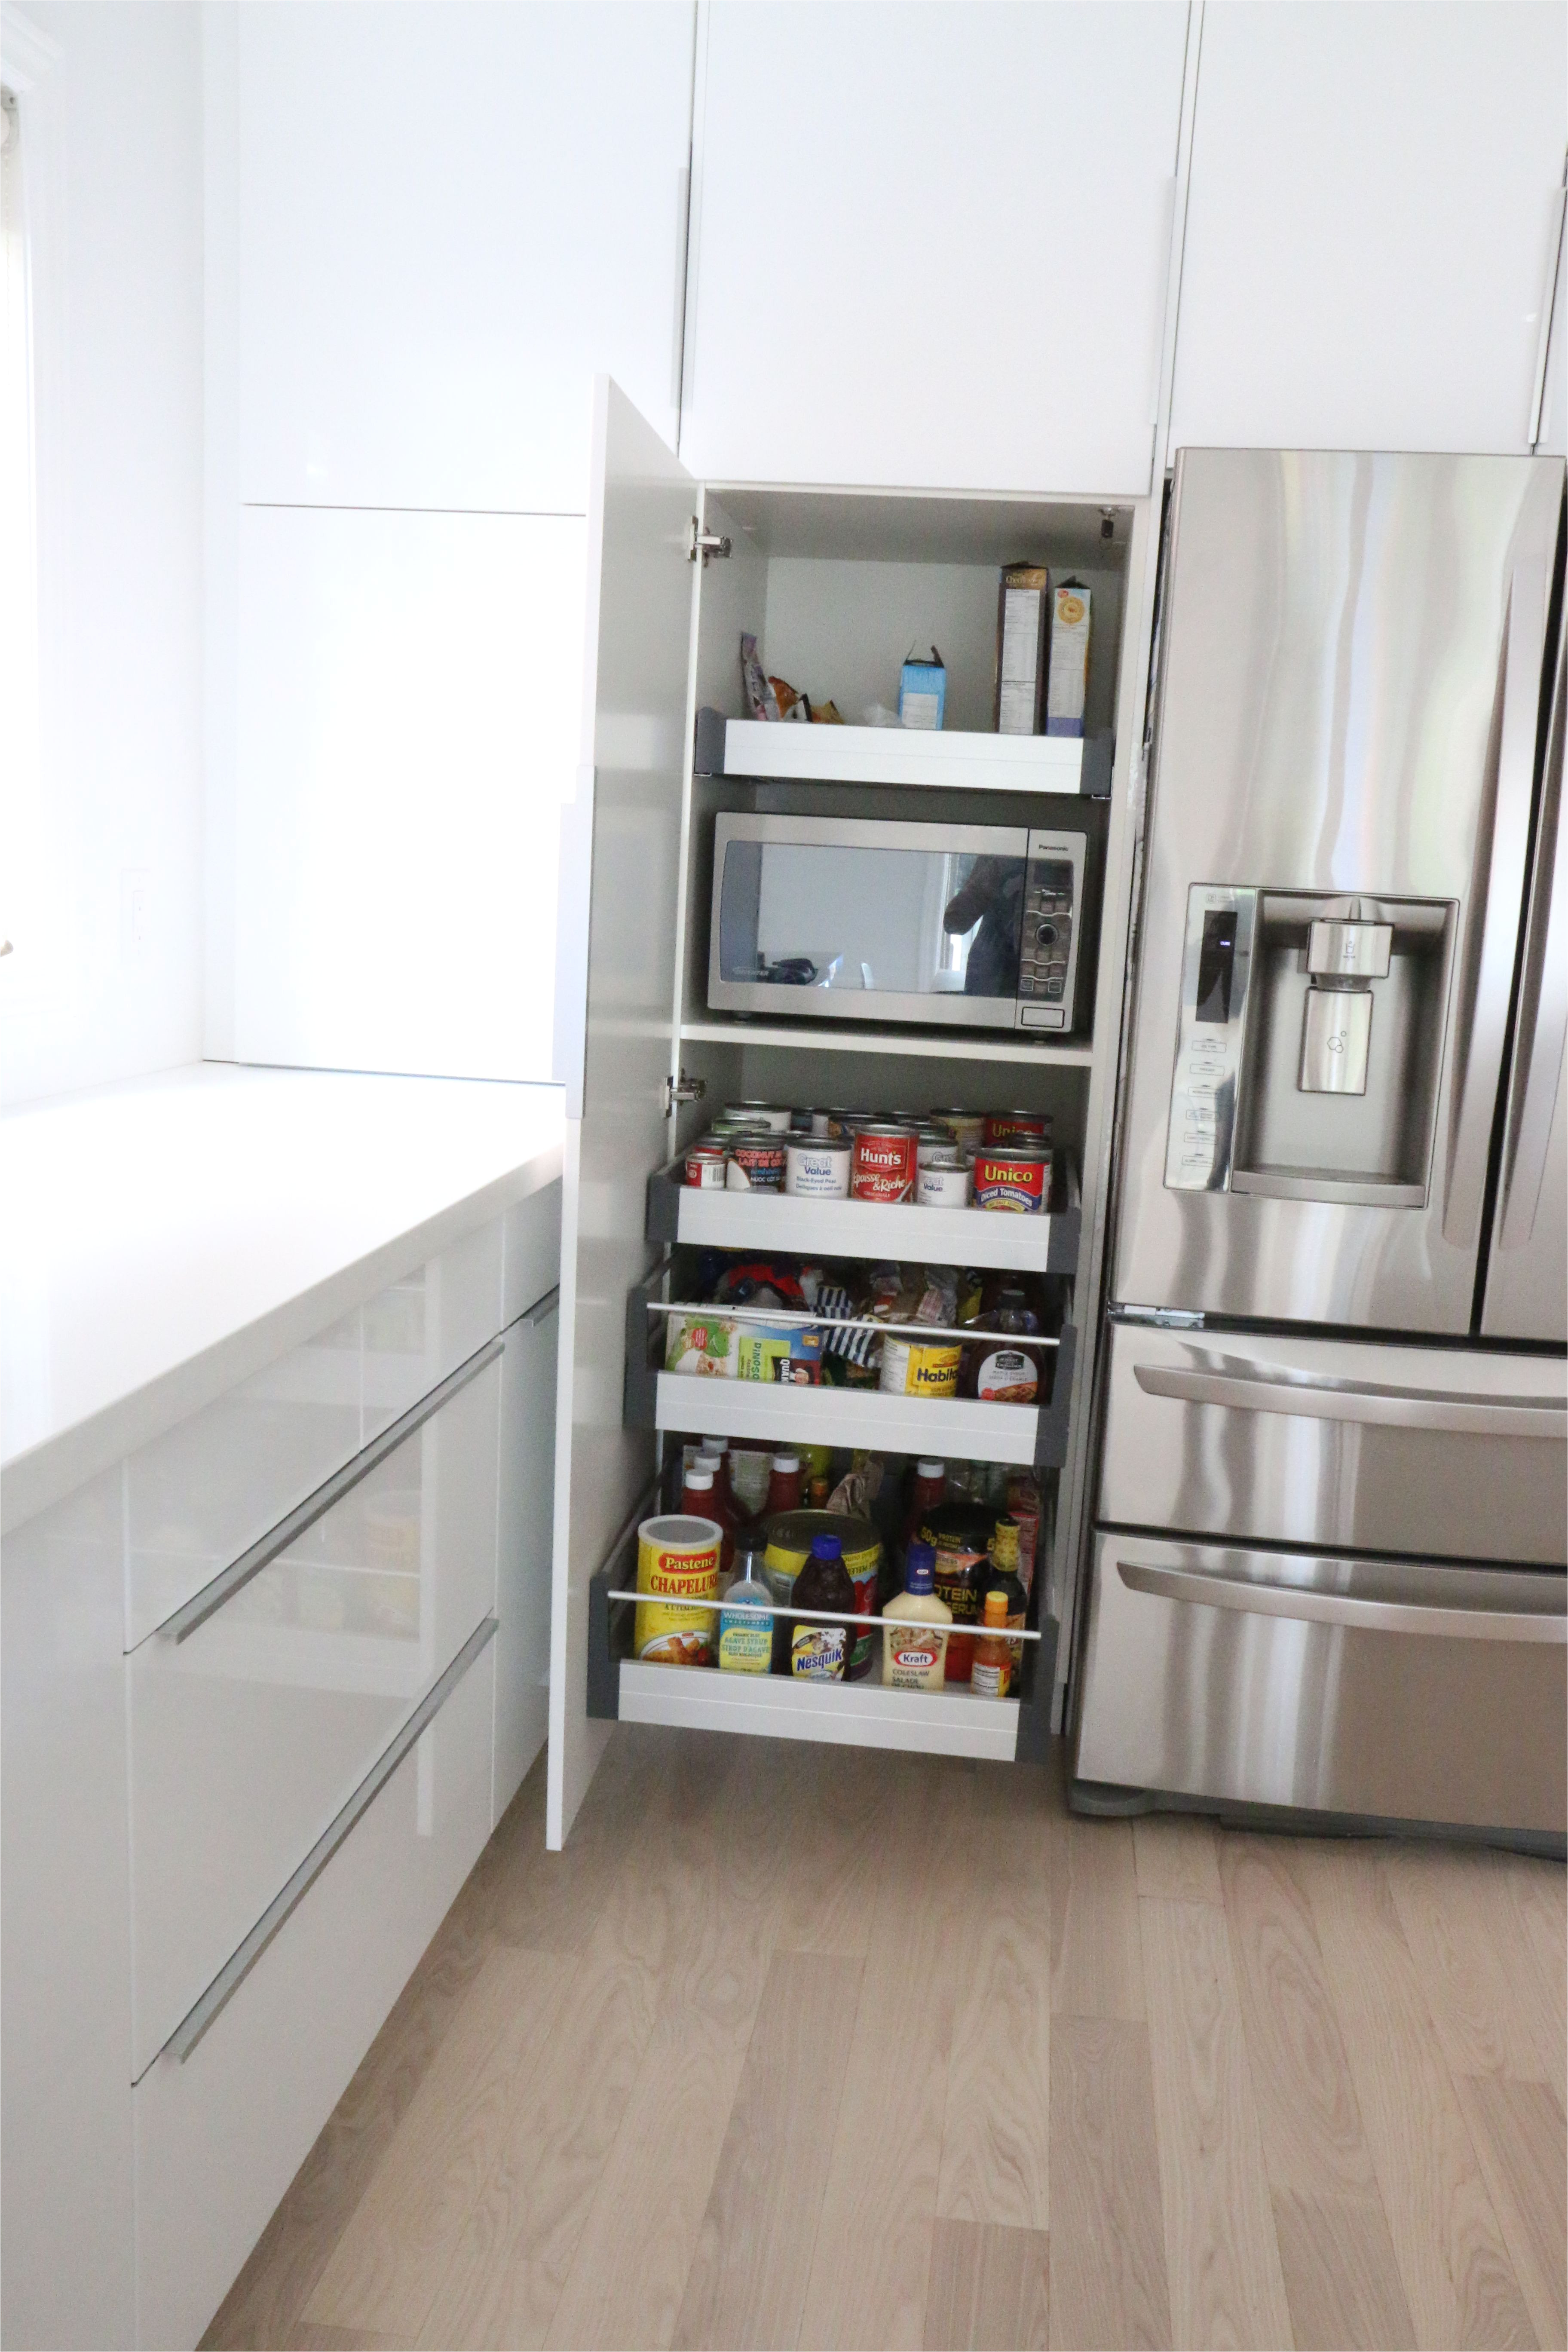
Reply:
x=958, y=760
x=854, y=1714
x=1048, y=1243
x=955, y=1426
x=928, y=1044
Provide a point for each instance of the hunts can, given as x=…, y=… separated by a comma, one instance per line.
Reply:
x=922, y=1368
x=1013, y=1178
x=816, y=1169
x=1017, y=1127
x=705, y=1165
x=756, y=1163
x=677, y=1566
x=884, y=1164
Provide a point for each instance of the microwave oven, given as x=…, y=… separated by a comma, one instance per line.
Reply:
x=956, y=926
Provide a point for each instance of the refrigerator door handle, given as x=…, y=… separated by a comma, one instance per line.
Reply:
x=1484, y=1019
x=1212, y=1590
x=1543, y=1008
x=1249, y=1391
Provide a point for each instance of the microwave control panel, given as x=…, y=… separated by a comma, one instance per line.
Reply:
x=1048, y=951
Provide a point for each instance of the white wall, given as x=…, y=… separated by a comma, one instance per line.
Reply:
x=112, y=155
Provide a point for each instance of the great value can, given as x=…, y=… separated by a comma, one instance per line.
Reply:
x=885, y=1164
x=943, y=1184
x=677, y=1566
x=705, y=1166
x=756, y=1163
x=923, y=1368
x=934, y=1143
x=1014, y=1178
x=816, y=1169
x=1017, y=1127
x=774, y=1116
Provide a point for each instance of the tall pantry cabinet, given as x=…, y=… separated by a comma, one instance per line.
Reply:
x=827, y=581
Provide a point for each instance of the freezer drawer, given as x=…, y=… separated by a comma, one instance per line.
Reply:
x=1354, y=1445
x=1402, y=1691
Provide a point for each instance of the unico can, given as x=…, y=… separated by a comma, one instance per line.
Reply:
x=790, y=1534
x=884, y=1165
x=1012, y=1177
x=1017, y=1127
x=678, y=1565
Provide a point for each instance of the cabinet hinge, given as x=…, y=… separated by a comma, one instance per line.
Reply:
x=705, y=543
x=682, y=1090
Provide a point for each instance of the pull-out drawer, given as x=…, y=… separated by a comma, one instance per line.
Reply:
x=196, y=1496
x=251, y=1725
x=221, y=2131
x=1345, y=1686
x=1272, y=1438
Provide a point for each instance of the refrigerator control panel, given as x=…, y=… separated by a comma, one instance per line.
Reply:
x=1216, y=970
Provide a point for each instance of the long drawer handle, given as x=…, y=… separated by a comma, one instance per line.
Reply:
x=543, y=1308
x=1212, y=1591
x=1357, y=1401
x=235, y=1970
x=228, y=1581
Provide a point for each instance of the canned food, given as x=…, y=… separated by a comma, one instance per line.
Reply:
x=943, y=1184
x=1017, y=1127
x=774, y=1116
x=935, y=1143
x=756, y=1163
x=884, y=1164
x=967, y=1128
x=678, y=1566
x=817, y=1169
x=1016, y=1178
x=925, y=1368
x=705, y=1166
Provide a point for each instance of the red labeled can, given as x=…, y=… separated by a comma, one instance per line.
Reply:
x=1032, y=1127
x=1017, y=1179
x=705, y=1166
x=885, y=1164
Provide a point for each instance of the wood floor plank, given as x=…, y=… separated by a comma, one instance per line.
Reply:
x=1108, y=2290
x=872, y=2257
x=346, y=2339
x=747, y=2281
x=1341, y=2280
x=1097, y=1961
x=553, y=1902
x=830, y=1876
x=1458, y=2279
x=1176, y=1857
x=1520, y=2140
x=1221, y=2259
x=1454, y=1909
x=995, y=2135
x=386, y=2266
x=1538, y=1893
x=987, y=2289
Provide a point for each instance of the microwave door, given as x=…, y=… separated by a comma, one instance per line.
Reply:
x=1527, y=1267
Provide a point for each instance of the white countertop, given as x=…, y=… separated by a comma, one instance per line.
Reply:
x=161, y=1240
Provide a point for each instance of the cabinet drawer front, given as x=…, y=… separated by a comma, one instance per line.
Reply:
x=220, y=2135
x=1389, y=1688
x=248, y=1736
x=1278, y=1439
x=198, y=1495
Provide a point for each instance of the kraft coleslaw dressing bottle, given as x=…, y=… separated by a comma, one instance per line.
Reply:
x=913, y=1657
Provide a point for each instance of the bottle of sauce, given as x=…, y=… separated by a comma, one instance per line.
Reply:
x=1004, y=1370
x=960, y=1535
x=992, y=1674
x=816, y=1471
x=715, y=1505
x=1005, y=1571
x=817, y=1652
x=914, y=1657
x=745, y=1621
x=929, y=1490
x=783, y=1485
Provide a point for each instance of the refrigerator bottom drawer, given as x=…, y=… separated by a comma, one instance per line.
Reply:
x=1374, y=1687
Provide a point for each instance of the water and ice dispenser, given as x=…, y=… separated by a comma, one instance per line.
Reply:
x=1310, y=1050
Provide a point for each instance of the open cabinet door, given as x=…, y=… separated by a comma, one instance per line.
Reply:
x=614, y=988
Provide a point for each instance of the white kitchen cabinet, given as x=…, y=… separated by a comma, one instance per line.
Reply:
x=522, y=1558
x=827, y=580
x=447, y=217
x=1370, y=224
x=929, y=242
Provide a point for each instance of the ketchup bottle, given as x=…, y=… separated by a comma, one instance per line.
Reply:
x=783, y=1485
x=715, y=1504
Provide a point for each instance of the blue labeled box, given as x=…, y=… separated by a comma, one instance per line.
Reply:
x=922, y=692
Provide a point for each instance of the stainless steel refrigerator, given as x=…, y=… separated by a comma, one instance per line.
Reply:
x=1327, y=1568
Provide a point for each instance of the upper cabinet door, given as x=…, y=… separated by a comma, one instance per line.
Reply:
x=614, y=1010
x=451, y=217
x=929, y=242
x=1370, y=223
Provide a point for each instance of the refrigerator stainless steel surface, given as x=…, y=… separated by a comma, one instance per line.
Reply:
x=1335, y=1403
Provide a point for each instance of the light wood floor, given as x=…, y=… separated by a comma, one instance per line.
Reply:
x=822, y=2046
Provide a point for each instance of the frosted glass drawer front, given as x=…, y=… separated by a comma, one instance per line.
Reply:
x=249, y=1735
x=220, y=2135
x=199, y=1495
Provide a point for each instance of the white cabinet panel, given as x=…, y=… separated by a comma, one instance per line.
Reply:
x=249, y=1735
x=522, y=1550
x=533, y=1246
x=932, y=243
x=450, y=217
x=65, y=1961
x=407, y=716
x=1367, y=226
x=219, y=2138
